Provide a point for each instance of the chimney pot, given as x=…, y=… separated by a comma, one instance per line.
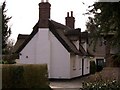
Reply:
x=44, y=13
x=71, y=13
x=70, y=20
x=67, y=14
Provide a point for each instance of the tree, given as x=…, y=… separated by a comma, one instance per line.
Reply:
x=9, y=57
x=106, y=23
x=6, y=30
x=9, y=47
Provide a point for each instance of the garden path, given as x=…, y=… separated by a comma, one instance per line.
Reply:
x=72, y=84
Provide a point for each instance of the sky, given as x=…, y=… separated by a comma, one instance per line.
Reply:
x=25, y=13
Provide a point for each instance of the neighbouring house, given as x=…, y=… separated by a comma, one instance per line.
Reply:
x=57, y=45
x=101, y=51
x=97, y=51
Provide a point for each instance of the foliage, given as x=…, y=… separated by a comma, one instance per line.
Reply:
x=6, y=30
x=9, y=59
x=17, y=76
x=106, y=23
x=107, y=79
x=3, y=62
x=9, y=47
x=29, y=76
x=109, y=85
x=92, y=67
x=99, y=68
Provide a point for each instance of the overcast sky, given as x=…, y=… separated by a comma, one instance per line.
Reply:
x=25, y=13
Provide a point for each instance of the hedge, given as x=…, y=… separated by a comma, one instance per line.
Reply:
x=31, y=76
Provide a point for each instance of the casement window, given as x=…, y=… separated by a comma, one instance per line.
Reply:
x=74, y=64
x=73, y=61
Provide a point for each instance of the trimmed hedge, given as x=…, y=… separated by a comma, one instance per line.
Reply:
x=31, y=76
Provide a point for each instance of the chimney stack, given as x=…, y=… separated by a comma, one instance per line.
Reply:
x=44, y=14
x=70, y=20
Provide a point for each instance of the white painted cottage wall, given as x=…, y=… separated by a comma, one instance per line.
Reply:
x=77, y=70
x=60, y=59
x=44, y=48
x=37, y=50
x=29, y=51
x=86, y=66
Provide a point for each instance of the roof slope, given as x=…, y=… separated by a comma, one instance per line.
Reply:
x=26, y=41
x=21, y=38
x=59, y=31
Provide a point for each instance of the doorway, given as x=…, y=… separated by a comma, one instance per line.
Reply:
x=82, y=67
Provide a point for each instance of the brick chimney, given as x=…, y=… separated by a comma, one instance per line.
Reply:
x=44, y=13
x=70, y=20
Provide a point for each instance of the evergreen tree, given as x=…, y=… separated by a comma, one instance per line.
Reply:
x=6, y=30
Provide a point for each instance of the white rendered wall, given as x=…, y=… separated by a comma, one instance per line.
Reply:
x=86, y=66
x=75, y=66
x=60, y=59
x=27, y=55
x=44, y=48
x=37, y=50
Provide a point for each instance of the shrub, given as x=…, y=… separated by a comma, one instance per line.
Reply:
x=99, y=68
x=92, y=67
x=107, y=79
x=109, y=85
x=31, y=76
x=36, y=75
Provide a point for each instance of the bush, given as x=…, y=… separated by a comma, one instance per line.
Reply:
x=31, y=76
x=107, y=79
x=109, y=85
x=9, y=59
x=92, y=67
x=99, y=68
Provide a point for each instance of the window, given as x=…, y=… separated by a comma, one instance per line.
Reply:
x=73, y=61
x=100, y=64
x=79, y=64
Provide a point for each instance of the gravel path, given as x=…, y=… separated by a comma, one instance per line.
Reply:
x=73, y=84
